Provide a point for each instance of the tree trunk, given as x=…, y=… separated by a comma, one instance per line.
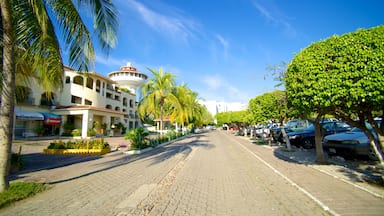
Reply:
x=7, y=93
x=285, y=137
x=318, y=142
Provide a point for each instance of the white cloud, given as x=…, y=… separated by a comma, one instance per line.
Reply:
x=110, y=61
x=214, y=82
x=224, y=43
x=173, y=23
x=272, y=14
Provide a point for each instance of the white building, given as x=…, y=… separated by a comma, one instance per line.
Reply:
x=88, y=102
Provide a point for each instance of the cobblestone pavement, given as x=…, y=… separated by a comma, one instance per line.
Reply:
x=206, y=174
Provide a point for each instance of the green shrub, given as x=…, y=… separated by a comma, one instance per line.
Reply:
x=138, y=138
x=79, y=144
x=76, y=132
x=17, y=162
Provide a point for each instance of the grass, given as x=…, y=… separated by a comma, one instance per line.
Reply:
x=20, y=190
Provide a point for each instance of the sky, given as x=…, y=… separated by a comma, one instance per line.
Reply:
x=221, y=48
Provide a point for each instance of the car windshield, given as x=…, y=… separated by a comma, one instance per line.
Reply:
x=369, y=127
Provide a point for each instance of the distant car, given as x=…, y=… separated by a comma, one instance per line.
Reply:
x=306, y=138
x=350, y=143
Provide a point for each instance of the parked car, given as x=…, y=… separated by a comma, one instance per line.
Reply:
x=292, y=125
x=306, y=138
x=350, y=143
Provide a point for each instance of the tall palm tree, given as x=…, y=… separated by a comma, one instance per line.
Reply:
x=157, y=93
x=28, y=36
x=185, y=107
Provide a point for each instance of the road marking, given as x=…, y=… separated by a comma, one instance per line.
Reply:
x=325, y=207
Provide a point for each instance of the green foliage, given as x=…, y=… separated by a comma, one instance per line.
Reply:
x=79, y=144
x=342, y=75
x=138, y=138
x=271, y=105
x=17, y=162
x=18, y=191
x=345, y=71
x=76, y=132
x=234, y=117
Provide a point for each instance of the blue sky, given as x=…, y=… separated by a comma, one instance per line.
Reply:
x=221, y=48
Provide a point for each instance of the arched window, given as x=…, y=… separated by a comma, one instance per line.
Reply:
x=47, y=99
x=89, y=83
x=67, y=79
x=108, y=106
x=98, y=85
x=78, y=80
x=131, y=103
x=125, y=101
x=117, y=108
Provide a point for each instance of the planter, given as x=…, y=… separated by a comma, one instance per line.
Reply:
x=78, y=151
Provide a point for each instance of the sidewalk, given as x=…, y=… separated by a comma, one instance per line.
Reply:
x=361, y=174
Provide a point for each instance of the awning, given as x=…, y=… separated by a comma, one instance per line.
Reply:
x=29, y=116
x=51, y=119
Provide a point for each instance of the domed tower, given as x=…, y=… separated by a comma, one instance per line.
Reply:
x=128, y=77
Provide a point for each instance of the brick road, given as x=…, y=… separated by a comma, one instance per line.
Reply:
x=206, y=174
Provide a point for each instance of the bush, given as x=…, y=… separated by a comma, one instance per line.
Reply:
x=79, y=144
x=17, y=162
x=76, y=132
x=138, y=138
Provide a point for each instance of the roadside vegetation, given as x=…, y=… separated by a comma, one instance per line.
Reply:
x=20, y=190
x=341, y=77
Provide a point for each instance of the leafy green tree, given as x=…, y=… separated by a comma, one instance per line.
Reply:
x=342, y=75
x=28, y=37
x=270, y=105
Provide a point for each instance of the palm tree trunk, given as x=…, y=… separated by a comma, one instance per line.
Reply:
x=7, y=93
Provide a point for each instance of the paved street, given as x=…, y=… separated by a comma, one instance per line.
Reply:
x=212, y=173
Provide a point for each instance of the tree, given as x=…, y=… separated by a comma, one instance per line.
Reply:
x=342, y=75
x=29, y=37
x=157, y=93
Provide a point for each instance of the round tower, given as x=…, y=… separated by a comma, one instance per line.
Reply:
x=128, y=77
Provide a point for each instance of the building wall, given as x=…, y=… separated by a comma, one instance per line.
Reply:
x=96, y=98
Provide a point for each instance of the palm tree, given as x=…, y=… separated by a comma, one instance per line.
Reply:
x=184, y=109
x=30, y=45
x=157, y=93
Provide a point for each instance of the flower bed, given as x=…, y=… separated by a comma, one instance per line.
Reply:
x=82, y=147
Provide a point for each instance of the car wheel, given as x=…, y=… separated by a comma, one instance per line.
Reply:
x=307, y=144
x=372, y=154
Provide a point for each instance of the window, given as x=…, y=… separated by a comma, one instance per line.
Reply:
x=88, y=102
x=108, y=106
x=47, y=99
x=117, y=108
x=131, y=103
x=75, y=99
x=98, y=85
x=89, y=83
x=78, y=80
x=67, y=79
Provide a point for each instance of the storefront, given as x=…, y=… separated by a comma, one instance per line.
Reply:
x=26, y=123
x=52, y=124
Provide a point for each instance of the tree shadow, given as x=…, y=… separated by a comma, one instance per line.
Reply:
x=356, y=170
x=156, y=155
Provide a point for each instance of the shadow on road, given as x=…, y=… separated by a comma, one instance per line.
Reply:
x=37, y=162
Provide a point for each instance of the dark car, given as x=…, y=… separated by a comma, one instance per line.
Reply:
x=350, y=143
x=306, y=138
x=291, y=126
